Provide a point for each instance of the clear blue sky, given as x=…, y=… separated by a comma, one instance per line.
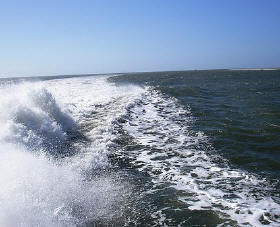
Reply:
x=76, y=37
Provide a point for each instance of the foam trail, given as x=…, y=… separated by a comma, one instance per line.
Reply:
x=178, y=157
x=42, y=122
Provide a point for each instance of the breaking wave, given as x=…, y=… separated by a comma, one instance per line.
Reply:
x=51, y=174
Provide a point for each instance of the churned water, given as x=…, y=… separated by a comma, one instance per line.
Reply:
x=193, y=148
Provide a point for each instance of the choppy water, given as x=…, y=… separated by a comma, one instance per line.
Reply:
x=197, y=148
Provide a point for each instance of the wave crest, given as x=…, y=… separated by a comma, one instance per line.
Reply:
x=32, y=117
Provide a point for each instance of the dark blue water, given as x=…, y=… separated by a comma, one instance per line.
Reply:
x=229, y=161
x=238, y=110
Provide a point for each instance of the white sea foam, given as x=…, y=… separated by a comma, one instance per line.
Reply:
x=38, y=192
x=173, y=153
x=36, y=120
x=31, y=116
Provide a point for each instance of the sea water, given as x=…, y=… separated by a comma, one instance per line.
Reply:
x=194, y=148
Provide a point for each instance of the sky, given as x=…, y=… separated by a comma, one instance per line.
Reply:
x=87, y=36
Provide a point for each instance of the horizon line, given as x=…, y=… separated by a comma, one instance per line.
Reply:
x=89, y=74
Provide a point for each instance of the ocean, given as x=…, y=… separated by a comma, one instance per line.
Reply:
x=186, y=148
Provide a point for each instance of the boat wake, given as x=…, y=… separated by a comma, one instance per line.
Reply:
x=85, y=151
